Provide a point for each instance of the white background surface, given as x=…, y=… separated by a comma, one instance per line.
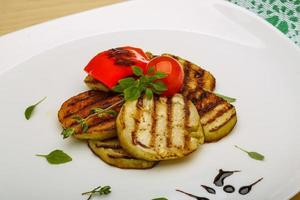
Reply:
x=249, y=58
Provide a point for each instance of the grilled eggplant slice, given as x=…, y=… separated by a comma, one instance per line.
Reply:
x=94, y=84
x=217, y=116
x=81, y=106
x=111, y=152
x=195, y=77
x=159, y=128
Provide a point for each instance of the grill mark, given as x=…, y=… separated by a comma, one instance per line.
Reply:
x=141, y=144
x=153, y=125
x=78, y=127
x=137, y=116
x=186, y=124
x=69, y=109
x=120, y=156
x=93, y=120
x=199, y=75
x=107, y=145
x=208, y=107
x=219, y=113
x=221, y=125
x=86, y=111
x=187, y=69
x=169, y=122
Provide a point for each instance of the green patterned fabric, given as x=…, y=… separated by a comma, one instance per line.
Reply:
x=283, y=14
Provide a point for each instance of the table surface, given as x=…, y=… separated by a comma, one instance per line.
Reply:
x=18, y=14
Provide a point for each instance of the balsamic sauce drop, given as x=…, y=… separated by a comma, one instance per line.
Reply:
x=228, y=188
x=219, y=179
x=246, y=189
x=191, y=195
x=209, y=189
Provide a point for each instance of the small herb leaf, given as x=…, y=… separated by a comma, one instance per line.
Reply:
x=256, y=156
x=126, y=82
x=226, y=98
x=67, y=132
x=137, y=71
x=150, y=70
x=57, y=157
x=105, y=190
x=160, y=75
x=252, y=154
x=132, y=88
x=29, y=110
x=159, y=86
x=132, y=93
x=82, y=122
x=149, y=93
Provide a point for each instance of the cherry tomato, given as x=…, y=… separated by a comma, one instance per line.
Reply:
x=173, y=69
x=112, y=65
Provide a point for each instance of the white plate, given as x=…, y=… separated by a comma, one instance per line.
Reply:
x=250, y=60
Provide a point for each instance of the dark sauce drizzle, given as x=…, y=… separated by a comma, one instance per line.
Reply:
x=228, y=188
x=209, y=189
x=219, y=179
x=246, y=189
x=191, y=195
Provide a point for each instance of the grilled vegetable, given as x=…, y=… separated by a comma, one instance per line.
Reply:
x=81, y=106
x=111, y=152
x=217, y=116
x=194, y=77
x=94, y=84
x=159, y=128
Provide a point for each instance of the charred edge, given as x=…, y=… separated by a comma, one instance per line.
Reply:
x=219, y=113
x=74, y=107
x=108, y=145
x=199, y=75
x=153, y=125
x=223, y=124
x=119, y=156
x=137, y=116
x=96, y=123
x=187, y=70
x=169, y=122
x=186, y=123
x=104, y=104
x=209, y=106
x=141, y=144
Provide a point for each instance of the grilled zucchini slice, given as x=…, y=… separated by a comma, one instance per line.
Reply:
x=159, y=128
x=217, y=116
x=111, y=152
x=81, y=105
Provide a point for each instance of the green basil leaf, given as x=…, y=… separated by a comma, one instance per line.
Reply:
x=149, y=93
x=118, y=89
x=252, y=154
x=57, y=157
x=132, y=93
x=29, y=110
x=256, y=156
x=226, y=98
x=160, y=75
x=67, y=132
x=111, y=112
x=150, y=70
x=159, y=86
x=126, y=82
x=137, y=71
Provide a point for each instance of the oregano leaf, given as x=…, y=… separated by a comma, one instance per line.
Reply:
x=137, y=71
x=30, y=109
x=56, y=157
